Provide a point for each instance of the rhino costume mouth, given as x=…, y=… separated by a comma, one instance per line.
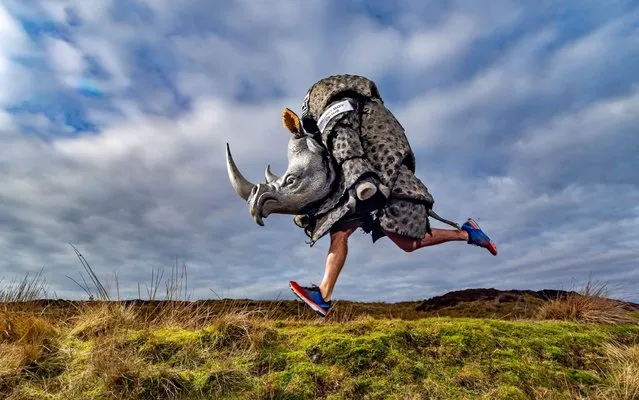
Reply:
x=262, y=204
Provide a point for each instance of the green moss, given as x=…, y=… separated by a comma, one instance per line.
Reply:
x=354, y=353
x=507, y=392
x=175, y=335
x=218, y=380
x=173, y=346
x=583, y=377
x=271, y=360
x=308, y=380
x=472, y=376
x=509, y=378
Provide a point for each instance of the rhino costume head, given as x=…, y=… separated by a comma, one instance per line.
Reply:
x=309, y=177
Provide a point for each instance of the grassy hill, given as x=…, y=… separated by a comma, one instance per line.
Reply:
x=469, y=344
x=238, y=349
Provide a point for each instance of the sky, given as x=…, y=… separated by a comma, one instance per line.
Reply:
x=114, y=117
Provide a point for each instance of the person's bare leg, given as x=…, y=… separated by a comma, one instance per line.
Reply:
x=439, y=236
x=335, y=259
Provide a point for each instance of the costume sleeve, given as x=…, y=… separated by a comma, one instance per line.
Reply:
x=349, y=154
x=345, y=140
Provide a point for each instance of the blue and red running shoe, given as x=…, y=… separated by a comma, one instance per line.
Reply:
x=312, y=297
x=477, y=237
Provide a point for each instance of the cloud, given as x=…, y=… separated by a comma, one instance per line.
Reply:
x=13, y=44
x=603, y=133
x=117, y=124
x=67, y=62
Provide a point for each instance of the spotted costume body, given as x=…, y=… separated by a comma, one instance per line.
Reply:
x=366, y=143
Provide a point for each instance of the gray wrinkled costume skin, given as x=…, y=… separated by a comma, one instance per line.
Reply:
x=367, y=143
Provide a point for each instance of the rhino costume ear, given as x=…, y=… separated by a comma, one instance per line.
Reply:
x=292, y=122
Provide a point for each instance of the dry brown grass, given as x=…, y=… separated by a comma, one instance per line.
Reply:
x=29, y=287
x=590, y=305
x=103, y=318
x=25, y=341
x=98, y=336
x=622, y=373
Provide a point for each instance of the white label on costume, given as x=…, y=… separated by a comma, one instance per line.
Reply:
x=333, y=111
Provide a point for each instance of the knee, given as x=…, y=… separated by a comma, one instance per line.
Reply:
x=340, y=238
x=408, y=248
x=402, y=242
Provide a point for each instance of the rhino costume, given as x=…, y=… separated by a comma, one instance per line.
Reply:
x=367, y=142
x=346, y=140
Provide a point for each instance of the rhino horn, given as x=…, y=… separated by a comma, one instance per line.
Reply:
x=241, y=186
x=269, y=175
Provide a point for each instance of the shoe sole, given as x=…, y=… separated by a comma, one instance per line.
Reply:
x=491, y=246
x=299, y=292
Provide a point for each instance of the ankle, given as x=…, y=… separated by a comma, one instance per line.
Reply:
x=326, y=294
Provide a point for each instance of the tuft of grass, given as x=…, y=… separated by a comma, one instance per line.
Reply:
x=26, y=346
x=590, y=304
x=103, y=318
x=30, y=287
x=100, y=291
x=622, y=374
x=20, y=328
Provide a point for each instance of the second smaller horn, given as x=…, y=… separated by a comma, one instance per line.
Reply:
x=269, y=175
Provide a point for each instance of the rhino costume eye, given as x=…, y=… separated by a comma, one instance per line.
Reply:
x=289, y=180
